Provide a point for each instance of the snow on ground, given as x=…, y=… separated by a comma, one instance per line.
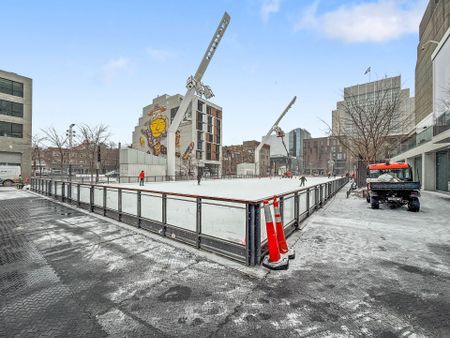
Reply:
x=248, y=189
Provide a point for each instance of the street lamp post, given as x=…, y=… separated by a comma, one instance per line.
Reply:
x=70, y=134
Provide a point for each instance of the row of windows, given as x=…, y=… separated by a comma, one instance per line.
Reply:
x=11, y=108
x=11, y=87
x=11, y=129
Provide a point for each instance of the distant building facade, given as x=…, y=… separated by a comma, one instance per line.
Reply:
x=366, y=95
x=245, y=153
x=15, y=121
x=199, y=136
x=324, y=155
x=294, y=141
x=80, y=158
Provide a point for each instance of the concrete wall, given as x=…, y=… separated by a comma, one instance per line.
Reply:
x=132, y=161
x=15, y=145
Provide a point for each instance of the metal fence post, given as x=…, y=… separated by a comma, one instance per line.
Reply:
x=139, y=207
x=308, y=201
x=119, y=203
x=104, y=201
x=199, y=221
x=297, y=209
x=282, y=208
x=164, y=214
x=63, y=191
x=78, y=194
x=253, y=234
x=91, y=198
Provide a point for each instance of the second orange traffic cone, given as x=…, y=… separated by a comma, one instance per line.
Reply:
x=282, y=244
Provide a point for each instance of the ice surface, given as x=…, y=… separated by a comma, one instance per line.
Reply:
x=222, y=219
x=248, y=189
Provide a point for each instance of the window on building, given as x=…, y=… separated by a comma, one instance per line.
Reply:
x=173, y=112
x=11, y=108
x=11, y=129
x=11, y=87
x=199, y=145
x=200, y=105
x=199, y=136
x=208, y=110
x=198, y=155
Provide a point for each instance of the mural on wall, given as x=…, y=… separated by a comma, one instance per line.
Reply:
x=177, y=143
x=188, y=151
x=155, y=131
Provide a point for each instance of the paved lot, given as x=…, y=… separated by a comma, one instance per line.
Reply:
x=358, y=272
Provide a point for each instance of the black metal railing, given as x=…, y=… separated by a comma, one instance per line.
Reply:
x=234, y=228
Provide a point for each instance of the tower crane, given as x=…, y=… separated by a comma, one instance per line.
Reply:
x=194, y=85
x=278, y=130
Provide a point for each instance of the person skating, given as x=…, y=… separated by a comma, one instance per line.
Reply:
x=141, y=178
x=302, y=180
x=199, y=174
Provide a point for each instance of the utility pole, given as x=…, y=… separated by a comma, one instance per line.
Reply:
x=70, y=133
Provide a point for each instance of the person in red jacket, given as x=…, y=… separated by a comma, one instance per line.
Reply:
x=141, y=178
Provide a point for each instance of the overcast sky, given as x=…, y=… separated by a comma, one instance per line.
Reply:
x=103, y=61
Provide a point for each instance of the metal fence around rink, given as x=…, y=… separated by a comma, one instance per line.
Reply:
x=233, y=228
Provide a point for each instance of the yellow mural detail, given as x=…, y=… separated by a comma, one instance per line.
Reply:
x=154, y=132
x=158, y=126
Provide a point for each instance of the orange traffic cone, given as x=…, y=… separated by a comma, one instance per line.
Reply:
x=282, y=244
x=274, y=260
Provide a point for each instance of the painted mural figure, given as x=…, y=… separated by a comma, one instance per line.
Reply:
x=154, y=133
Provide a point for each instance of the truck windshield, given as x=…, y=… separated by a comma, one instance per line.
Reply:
x=402, y=174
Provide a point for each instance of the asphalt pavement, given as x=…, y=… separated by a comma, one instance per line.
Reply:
x=358, y=272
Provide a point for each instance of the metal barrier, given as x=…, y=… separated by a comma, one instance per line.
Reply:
x=228, y=227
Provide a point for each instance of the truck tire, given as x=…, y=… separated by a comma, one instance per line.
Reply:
x=374, y=203
x=414, y=204
x=7, y=183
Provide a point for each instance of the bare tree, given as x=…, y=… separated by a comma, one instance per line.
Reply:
x=58, y=141
x=91, y=138
x=368, y=129
x=37, y=144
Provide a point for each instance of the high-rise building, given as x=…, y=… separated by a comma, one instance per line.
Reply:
x=369, y=94
x=297, y=138
x=15, y=121
x=198, y=139
x=432, y=29
x=428, y=151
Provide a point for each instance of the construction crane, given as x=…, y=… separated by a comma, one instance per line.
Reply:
x=194, y=85
x=275, y=128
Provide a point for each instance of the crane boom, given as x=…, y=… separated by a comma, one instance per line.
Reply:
x=193, y=84
x=275, y=126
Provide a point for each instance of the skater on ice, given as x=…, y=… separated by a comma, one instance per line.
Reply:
x=141, y=178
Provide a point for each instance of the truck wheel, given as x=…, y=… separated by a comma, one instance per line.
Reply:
x=374, y=203
x=414, y=204
x=7, y=183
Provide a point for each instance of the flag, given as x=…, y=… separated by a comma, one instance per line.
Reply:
x=367, y=71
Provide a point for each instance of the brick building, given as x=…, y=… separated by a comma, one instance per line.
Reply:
x=244, y=153
x=81, y=159
x=325, y=154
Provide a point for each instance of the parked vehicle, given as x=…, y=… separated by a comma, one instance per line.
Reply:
x=392, y=183
x=9, y=175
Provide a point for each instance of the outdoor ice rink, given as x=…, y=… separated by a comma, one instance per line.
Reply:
x=222, y=219
x=245, y=189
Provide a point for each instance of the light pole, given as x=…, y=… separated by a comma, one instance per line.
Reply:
x=70, y=133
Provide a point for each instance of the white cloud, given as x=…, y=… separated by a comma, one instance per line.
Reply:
x=161, y=55
x=269, y=7
x=377, y=21
x=112, y=68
